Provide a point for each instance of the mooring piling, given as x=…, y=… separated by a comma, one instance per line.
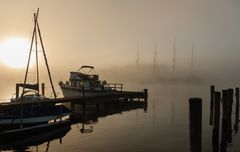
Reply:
x=195, y=124
x=223, y=145
x=229, y=117
x=212, y=90
x=216, y=123
x=236, y=110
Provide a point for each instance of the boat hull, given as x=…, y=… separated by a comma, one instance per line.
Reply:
x=75, y=92
x=32, y=114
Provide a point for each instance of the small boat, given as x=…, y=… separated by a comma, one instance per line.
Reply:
x=84, y=82
x=28, y=108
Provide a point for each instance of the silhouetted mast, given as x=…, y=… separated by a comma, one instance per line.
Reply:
x=36, y=31
x=30, y=52
x=46, y=62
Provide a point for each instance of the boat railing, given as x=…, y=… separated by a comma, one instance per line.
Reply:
x=115, y=86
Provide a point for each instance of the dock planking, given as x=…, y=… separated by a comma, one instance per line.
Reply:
x=94, y=99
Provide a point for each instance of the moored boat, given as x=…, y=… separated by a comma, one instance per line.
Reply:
x=18, y=111
x=85, y=83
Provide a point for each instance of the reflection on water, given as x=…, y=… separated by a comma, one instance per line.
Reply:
x=86, y=117
x=164, y=127
x=23, y=144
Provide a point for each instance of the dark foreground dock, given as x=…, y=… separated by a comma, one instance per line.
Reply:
x=124, y=96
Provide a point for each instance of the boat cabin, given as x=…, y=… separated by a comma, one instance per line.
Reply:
x=84, y=79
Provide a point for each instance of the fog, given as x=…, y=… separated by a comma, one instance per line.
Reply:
x=108, y=33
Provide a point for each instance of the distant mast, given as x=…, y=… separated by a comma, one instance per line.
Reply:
x=174, y=59
x=137, y=60
x=192, y=61
x=155, y=56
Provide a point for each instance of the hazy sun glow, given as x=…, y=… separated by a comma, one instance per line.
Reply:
x=14, y=52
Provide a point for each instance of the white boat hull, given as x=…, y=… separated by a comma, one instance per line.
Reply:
x=70, y=92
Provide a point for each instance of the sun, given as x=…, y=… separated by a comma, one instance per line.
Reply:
x=14, y=52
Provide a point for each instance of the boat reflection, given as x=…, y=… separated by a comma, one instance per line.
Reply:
x=34, y=139
x=85, y=116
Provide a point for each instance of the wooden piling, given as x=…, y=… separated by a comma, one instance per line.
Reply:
x=236, y=111
x=212, y=90
x=216, y=123
x=230, y=103
x=223, y=145
x=195, y=124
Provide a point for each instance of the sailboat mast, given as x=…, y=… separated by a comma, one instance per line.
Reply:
x=192, y=64
x=155, y=56
x=46, y=62
x=36, y=47
x=137, y=60
x=30, y=51
x=174, y=59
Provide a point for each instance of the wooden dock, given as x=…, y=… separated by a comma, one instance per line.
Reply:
x=130, y=96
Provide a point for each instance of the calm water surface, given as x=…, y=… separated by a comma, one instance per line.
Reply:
x=164, y=127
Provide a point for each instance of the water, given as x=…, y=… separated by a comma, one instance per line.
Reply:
x=164, y=127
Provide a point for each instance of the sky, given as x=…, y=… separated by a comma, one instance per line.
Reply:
x=108, y=33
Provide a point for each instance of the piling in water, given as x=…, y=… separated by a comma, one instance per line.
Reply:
x=230, y=103
x=223, y=145
x=212, y=90
x=236, y=111
x=216, y=123
x=195, y=124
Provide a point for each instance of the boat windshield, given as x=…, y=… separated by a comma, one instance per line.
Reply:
x=86, y=69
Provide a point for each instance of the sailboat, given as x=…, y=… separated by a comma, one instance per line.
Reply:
x=29, y=107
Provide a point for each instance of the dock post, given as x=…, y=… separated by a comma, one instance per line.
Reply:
x=195, y=124
x=17, y=90
x=230, y=103
x=216, y=123
x=223, y=145
x=145, y=95
x=212, y=90
x=43, y=89
x=237, y=111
